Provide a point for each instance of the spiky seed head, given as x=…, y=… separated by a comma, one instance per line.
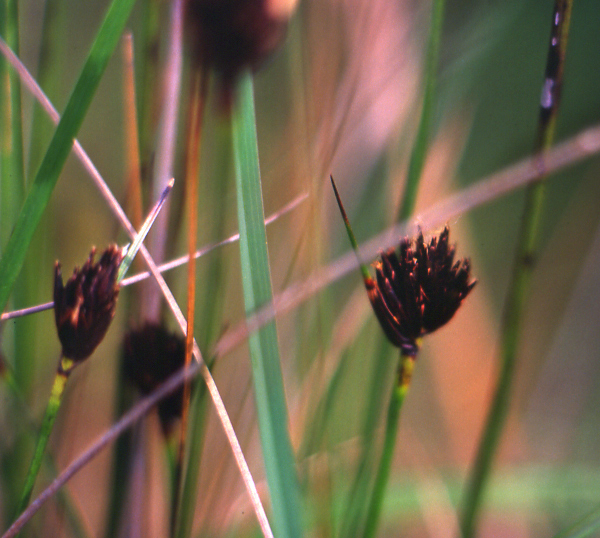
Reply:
x=231, y=35
x=418, y=289
x=150, y=355
x=85, y=306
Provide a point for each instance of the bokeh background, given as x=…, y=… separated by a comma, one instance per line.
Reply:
x=341, y=96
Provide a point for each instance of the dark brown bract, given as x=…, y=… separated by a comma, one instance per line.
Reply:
x=418, y=289
x=231, y=35
x=151, y=354
x=85, y=306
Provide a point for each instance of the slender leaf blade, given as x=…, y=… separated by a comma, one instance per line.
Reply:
x=60, y=145
x=264, y=349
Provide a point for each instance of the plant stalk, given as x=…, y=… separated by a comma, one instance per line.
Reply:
x=522, y=271
x=419, y=151
x=58, y=387
x=399, y=391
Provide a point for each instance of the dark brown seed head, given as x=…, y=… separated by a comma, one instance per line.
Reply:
x=231, y=35
x=150, y=355
x=418, y=289
x=85, y=306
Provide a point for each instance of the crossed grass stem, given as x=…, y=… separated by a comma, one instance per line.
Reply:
x=579, y=147
x=118, y=211
x=83, y=311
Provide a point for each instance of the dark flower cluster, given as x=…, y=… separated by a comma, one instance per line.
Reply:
x=151, y=354
x=231, y=35
x=85, y=306
x=418, y=289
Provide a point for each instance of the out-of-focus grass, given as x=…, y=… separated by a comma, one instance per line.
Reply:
x=340, y=98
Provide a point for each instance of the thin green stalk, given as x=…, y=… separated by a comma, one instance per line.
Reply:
x=58, y=387
x=12, y=188
x=354, y=513
x=415, y=170
x=12, y=194
x=419, y=151
x=405, y=370
x=20, y=415
x=147, y=43
x=49, y=77
x=363, y=268
x=189, y=490
x=264, y=350
x=11, y=147
x=121, y=464
x=524, y=265
x=60, y=146
x=134, y=247
x=358, y=499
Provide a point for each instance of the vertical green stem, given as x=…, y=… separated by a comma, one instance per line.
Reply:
x=12, y=185
x=358, y=498
x=399, y=391
x=58, y=387
x=11, y=148
x=417, y=158
x=264, y=349
x=524, y=264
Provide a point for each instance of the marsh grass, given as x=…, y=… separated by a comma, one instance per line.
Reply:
x=341, y=98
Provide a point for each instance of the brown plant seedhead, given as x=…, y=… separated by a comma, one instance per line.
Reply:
x=85, y=306
x=418, y=289
x=231, y=35
x=151, y=354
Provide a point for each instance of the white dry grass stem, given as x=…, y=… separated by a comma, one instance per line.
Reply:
x=575, y=149
x=167, y=266
x=240, y=460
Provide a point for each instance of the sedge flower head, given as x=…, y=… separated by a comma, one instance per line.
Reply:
x=418, y=289
x=232, y=35
x=151, y=354
x=85, y=306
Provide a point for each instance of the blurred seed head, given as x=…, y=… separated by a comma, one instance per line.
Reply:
x=151, y=354
x=231, y=35
x=418, y=290
x=85, y=306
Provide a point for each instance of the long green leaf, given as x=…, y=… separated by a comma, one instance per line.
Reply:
x=419, y=151
x=60, y=145
x=11, y=136
x=264, y=350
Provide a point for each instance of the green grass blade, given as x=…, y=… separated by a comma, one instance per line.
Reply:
x=417, y=157
x=264, y=351
x=526, y=253
x=399, y=392
x=196, y=434
x=357, y=504
x=60, y=145
x=12, y=190
x=132, y=249
x=58, y=387
x=11, y=147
